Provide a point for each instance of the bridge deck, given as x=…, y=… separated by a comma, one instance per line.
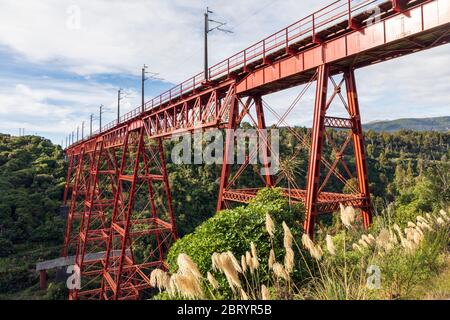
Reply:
x=340, y=34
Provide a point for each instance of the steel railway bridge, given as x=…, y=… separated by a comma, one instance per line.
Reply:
x=117, y=191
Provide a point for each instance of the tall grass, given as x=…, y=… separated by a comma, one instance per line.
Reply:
x=336, y=265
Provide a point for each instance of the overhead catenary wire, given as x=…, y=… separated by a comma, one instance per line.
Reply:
x=241, y=22
x=219, y=28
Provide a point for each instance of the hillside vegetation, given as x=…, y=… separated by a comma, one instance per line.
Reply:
x=441, y=124
x=404, y=254
x=408, y=173
x=32, y=172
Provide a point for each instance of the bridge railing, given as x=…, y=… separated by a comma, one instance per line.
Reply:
x=305, y=29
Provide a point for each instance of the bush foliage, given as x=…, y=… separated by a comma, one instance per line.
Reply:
x=234, y=230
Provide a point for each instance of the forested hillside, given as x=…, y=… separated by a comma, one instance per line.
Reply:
x=32, y=172
x=441, y=124
x=31, y=183
x=406, y=168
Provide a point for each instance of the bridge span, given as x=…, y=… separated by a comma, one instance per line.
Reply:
x=117, y=190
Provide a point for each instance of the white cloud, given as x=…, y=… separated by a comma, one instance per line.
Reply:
x=54, y=108
x=119, y=36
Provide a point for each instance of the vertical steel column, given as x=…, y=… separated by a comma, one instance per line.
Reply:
x=399, y=5
x=85, y=225
x=43, y=279
x=318, y=129
x=167, y=189
x=129, y=208
x=151, y=196
x=229, y=147
x=73, y=200
x=69, y=175
x=67, y=189
x=118, y=201
x=265, y=149
x=358, y=144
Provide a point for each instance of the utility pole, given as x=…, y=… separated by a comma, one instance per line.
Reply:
x=206, y=43
x=66, y=143
x=119, y=97
x=100, y=118
x=207, y=30
x=145, y=78
x=143, y=87
x=78, y=129
x=90, y=125
x=73, y=137
x=82, y=130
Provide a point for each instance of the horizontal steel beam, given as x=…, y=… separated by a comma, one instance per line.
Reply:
x=327, y=201
x=338, y=123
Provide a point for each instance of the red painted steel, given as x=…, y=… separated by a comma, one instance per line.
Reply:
x=77, y=190
x=394, y=35
x=94, y=228
x=142, y=216
x=237, y=112
x=422, y=24
x=319, y=135
x=358, y=145
x=229, y=145
x=327, y=201
x=334, y=40
x=264, y=149
x=315, y=154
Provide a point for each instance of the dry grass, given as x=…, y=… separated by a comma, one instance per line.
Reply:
x=436, y=288
x=336, y=275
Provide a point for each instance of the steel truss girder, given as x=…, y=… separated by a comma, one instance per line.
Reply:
x=117, y=274
x=237, y=112
x=328, y=202
x=338, y=123
x=426, y=26
x=94, y=229
x=315, y=199
x=203, y=110
x=137, y=214
x=319, y=134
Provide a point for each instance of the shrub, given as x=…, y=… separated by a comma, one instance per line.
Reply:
x=6, y=247
x=403, y=272
x=234, y=230
x=56, y=291
x=16, y=278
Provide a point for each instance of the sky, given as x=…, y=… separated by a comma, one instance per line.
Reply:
x=60, y=60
